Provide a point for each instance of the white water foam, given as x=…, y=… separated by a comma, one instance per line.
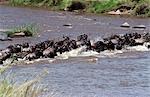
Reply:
x=81, y=52
x=88, y=53
x=50, y=60
x=141, y=48
x=72, y=53
x=138, y=48
x=109, y=53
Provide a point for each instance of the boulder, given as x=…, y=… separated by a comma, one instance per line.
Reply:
x=140, y=26
x=4, y=36
x=114, y=12
x=20, y=34
x=120, y=12
x=67, y=24
x=127, y=25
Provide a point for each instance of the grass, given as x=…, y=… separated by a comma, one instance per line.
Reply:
x=54, y=4
x=28, y=30
x=101, y=7
x=142, y=8
x=27, y=89
x=94, y=6
x=2, y=69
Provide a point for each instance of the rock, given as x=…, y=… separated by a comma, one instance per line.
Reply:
x=114, y=12
x=140, y=26
x=20, y=34
x=67, y=24
x=4, y=36
x=127, y=25
x=118, y=12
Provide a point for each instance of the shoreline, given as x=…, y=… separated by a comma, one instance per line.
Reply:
x=75, y=13
x=6, y=3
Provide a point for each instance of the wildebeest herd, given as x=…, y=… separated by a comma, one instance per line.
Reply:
x=50, y=48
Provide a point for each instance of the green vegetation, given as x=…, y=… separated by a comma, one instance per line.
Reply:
x=138, y=7
x=2, y=69
x=25, y=30
x=27, y=89
x=53, y=4
x=142, y=8
x=101, y=7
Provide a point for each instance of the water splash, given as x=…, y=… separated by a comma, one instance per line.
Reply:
x=72, y=53
x=141, y=48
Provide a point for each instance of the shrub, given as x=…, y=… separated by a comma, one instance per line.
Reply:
x=28, y=30
x=103, y=6
x=26, y=89
x=142, y=9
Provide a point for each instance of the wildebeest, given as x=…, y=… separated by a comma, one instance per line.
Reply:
x=50, y=48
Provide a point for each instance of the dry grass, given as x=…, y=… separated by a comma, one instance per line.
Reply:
x=27, y=89
x=2, y=69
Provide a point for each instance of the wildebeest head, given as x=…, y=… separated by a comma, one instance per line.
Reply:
x=49, y=52
x=25, y=45
x=110, y=45
x=82, y=37
x=99, y=46
x=146, y=37
x=72, y=45
x=47, y=43
x=15, y=48
x=136, y=35
x=66, y=38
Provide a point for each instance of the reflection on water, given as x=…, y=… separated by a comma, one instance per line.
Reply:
x=121, y=75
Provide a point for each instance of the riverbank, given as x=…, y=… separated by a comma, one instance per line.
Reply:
x=139, y=8
x=119, y=75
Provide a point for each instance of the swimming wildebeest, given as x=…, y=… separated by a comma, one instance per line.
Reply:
x=50, y=48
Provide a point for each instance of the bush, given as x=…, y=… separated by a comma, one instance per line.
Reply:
x=142, y=9
x=28, y=30
x=103, y=6
x=139, y=7
x=27, y=89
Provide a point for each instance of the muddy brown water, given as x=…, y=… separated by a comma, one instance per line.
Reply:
x=125, y=75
